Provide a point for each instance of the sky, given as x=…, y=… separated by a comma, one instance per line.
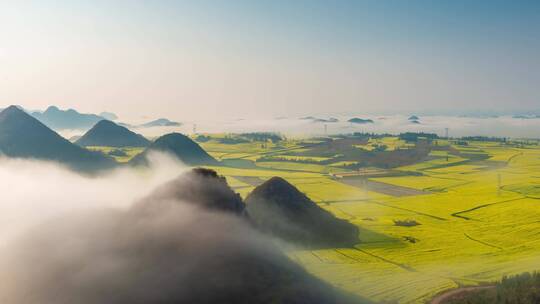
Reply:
x=237, y=59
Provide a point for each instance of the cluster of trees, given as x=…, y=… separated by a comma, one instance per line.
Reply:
x=484, y=138
x=232, y=140
x=371, y=135
x=117, y=152
x=289, y=159
x=523, y=289
x=263, y=136
x=243, y=138
x=414, y=136
x=406, y=223
x=202, y=138
x=379, y=148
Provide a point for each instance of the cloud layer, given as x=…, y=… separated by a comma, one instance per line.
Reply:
x=106, y=240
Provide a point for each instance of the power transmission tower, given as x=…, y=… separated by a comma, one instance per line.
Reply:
x=194, y=128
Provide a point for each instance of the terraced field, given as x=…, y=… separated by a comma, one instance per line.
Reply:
x=479, y=219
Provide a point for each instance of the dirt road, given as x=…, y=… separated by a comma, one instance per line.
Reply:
x=454, y=292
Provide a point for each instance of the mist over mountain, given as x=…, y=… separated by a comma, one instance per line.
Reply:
x=278, y=208
x=166, y=248
x=108, y=115
x=107, y=133
x=58, y=119
x=320, y=120
x=180, y=146
x=161, y=122
x=360, y=121
x=205, y=188
x=23, y=136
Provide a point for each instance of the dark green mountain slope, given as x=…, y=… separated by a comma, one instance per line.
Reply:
x=179, y=145
x=107, y=133
x=23, y=136
x=278, y=208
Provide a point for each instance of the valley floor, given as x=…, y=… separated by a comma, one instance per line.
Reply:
x=477, y=221
x=462, y=215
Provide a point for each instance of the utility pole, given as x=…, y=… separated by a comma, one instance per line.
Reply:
x=325, y=129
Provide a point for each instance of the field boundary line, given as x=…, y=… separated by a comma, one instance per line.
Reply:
x=513, y=156
x=482, y=242
x=409, y=210
x=360, y=200
x=347, y=256
x=402, y=266
x=457, y=214
x=268, y=153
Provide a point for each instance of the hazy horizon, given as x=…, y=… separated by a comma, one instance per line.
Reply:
x=269, y=152
x=474, y=124
x=208, y=59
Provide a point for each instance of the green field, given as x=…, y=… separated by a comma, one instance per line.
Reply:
x=471, y=230
x=129, y=152
x=478, y=207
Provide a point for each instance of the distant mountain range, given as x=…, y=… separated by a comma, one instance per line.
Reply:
x=71, y=119
x=179, y=145
x=23, y=136
x=107, y=133
x=58, y=119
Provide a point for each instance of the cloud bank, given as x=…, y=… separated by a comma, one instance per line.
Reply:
x=121, y=238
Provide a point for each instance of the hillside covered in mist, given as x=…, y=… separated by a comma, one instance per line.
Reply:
x=188, y=241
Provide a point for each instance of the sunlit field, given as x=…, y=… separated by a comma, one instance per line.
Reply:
x=270, y=152
x=475, y=208
x=126, y=153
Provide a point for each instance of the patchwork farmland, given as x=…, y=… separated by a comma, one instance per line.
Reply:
x=477, y=211
x=443, y=214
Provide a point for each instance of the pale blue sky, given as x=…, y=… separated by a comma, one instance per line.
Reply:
x=187, y=59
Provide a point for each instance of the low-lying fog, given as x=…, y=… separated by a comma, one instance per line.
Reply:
x=136, y=236
x=34, y=191
x=502, y=126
